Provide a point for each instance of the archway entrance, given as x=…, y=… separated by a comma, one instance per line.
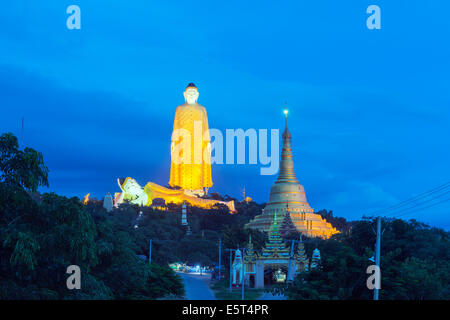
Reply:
x=275, y=274
x=251, y=280
x=270, y=272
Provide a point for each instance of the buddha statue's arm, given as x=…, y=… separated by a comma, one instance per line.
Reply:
x=119, y=199
x=177, y=120
x=206, y=135
x=207, y=180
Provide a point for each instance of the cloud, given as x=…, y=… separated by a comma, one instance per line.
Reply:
x=368, y=111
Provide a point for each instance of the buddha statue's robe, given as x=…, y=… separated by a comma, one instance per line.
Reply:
x=133, y=193
x=178, y=196
x=193, y=172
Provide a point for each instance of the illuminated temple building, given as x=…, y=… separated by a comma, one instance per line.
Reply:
x=190, y=170
x=288, y=200
x=277, y=256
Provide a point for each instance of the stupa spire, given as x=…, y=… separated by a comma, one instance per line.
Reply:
x=275, y=229
x=287, y=173
x=286, y=111
x=287, y=202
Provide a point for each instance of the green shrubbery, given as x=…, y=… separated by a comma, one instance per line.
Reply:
x=415, y=264
x=41, y=236
x=40, y=239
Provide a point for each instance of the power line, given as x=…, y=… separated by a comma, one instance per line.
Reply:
x=414, y=199
x=402, y=207
x=414, y=205
x=422, y=208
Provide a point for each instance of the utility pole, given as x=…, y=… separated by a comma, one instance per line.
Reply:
x=377, y=254
x=231, y=262
x=231, y=273
x=243, y=273
x=220, y=254
x=150, y=253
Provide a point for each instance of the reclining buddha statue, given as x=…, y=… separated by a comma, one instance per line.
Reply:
x=135, y=194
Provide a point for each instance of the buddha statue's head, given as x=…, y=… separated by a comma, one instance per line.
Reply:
x=191, y=94
x=130, y=186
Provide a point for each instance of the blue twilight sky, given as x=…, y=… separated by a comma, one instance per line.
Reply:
x=369, y=109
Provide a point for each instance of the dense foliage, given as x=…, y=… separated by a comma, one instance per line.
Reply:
x=415, y=264
x=21, y=168
x=40, y=239
x=170, y=242
x=41, y=236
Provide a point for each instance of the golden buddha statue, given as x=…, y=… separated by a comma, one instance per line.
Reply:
x=190, y=167
x=135, y=194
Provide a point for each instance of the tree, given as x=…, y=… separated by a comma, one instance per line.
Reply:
x=38, y=241
x=23, y=168
x=414, y=264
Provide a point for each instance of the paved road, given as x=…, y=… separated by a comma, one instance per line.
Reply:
x=197, y=287
x=270, y=296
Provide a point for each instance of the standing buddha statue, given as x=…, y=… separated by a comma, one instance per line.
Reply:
x=190, y=167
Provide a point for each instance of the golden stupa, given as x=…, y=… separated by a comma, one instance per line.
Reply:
x=288, y=200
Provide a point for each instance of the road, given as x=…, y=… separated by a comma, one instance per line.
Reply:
x=197, y=287
x=270, y=296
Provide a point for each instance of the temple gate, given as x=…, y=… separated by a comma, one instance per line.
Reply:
x=275, y=254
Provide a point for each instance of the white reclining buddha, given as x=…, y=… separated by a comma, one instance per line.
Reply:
x=143, y=196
